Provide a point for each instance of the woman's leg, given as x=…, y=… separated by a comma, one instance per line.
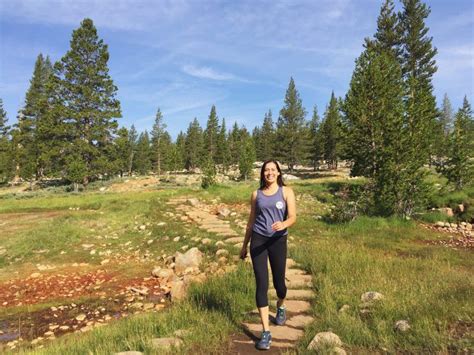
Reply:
x=277, y=254
x=259, y=254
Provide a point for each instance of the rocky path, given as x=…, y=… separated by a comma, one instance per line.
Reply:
x=298, y=316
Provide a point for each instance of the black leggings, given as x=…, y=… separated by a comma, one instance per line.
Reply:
x=261, y=249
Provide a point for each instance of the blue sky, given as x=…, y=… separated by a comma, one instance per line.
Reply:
x=186, y=55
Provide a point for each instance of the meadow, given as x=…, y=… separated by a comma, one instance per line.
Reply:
x=429, y=285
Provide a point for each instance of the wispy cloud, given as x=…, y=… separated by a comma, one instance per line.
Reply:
x=204, y=72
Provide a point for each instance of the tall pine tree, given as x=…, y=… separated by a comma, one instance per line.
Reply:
x=193, y=146
x=142, y=161
x=158, y=142
x=267, y=138
x=459, y=166
x=5, y=146
x=316, y=139
x=132, y=140
x=292, y=143
x=332, y=133
x=89, y=104
x=210, y=135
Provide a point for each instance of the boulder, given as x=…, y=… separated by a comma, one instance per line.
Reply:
x=223, y=212
x=178, y=290
x=402, y=326
x=192, y=258
x=165, y=343
x=447, y=211
x=193, y=202
x=323, y=340
x=164, y=274
x=371, y=296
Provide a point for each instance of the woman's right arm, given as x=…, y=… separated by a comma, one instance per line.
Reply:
x=251, y=221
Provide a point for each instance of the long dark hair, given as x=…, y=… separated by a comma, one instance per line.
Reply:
x=262, y=177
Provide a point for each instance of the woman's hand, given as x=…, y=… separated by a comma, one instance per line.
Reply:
x=278, y=226
x=243, y=252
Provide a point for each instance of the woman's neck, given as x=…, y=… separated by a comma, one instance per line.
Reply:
x=271, y=186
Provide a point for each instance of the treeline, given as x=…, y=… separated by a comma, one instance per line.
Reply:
x=387, y=126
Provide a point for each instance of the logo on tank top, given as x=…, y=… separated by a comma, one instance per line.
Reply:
x=279, y=205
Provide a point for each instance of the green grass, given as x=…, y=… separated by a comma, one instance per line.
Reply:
x=430, y=286
x=209, y=314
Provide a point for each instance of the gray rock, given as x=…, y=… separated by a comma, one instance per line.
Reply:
x=166, y=343
x=165, y=274
x=193, y=202
x=192, y=258
x=178, y=290
x=155, y=271
x=323, y=340
x=402, y=326
x=344, y=308
x=223, y=212
x=371, y=296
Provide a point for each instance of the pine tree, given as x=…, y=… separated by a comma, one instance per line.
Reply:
x=257, y=141
x=234, y=144
x=210, y=134
x=459, y=167
x=27, y=142
x=388, y=37
x=180, y=152
x=5, y=147
x=193, y=146
x=122, y=151
x=418, y=67
x=89, y=106
x=158, y=145
x=374, y=114
x=142, y=161
x=331, y=133
x=267, y=140
x=223, y=150
x=247, y=155
x=132, y=140
x=316, y=139
x=292, y=143
x=443, y=129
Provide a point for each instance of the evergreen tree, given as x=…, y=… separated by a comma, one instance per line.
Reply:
x=234, y=144
x=132, y=140
x=167, y=150
x=247, y=155
x=443, y=129
x=210, y=135
x=316, y=139
x=459, y=167
x=374, y=114
x=267, y=138
x=122, y=151
x=88, y=103
x=142, y=161
x=331, y=133
x=388, y=37
x=158, y=144
x=292, y=143
x=257, y=141
x=223, y=150
x=418, y=67
x=27, y=142
x=180, y=152
x=5, y=147
x=193, y=146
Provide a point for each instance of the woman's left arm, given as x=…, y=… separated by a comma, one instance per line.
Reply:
x=291, y=207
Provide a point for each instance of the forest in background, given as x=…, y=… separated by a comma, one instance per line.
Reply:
x=387, y=126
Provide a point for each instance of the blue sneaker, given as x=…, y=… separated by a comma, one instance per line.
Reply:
x=280, y=318
x=265, y=341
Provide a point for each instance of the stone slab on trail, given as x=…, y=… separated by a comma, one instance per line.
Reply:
x=278, y=332
x=295, y=294
x=234, y=240
x=295, y=272
x=296, y=306
x=299, y=321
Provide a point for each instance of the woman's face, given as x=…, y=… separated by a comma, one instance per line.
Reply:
x=270, y=173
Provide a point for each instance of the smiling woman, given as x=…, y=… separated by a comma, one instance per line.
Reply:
x=272, y=211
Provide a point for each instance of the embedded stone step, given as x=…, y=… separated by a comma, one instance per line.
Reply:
x=275, y=344
x=234, y=240
x=295, y=272
x=295, y=294
x=298, y=284
x=278, y=332
x=295, y=306
x=299, y=321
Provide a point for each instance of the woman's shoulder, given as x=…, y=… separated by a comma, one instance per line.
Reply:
x=287, y=191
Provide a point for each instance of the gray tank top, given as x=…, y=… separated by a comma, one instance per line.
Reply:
x=268, y=210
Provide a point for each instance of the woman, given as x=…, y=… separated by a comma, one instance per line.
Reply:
x=273, y=210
